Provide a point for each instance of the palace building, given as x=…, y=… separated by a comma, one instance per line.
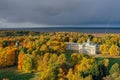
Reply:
x=88, y=47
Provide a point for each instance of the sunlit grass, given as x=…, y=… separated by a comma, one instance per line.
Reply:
x=13, y=74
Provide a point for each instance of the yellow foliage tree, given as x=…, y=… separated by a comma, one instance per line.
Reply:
x=114, y=50
x=43, y=47
x=61, y=59
x=70, y=74
x=104, y=49
x=106, y=62
x=84, y=65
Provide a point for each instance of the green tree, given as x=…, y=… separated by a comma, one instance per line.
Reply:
x=98, y=70
x=114, y=68
x=95, y=71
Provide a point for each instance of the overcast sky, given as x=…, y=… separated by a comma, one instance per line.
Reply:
x=41, y=13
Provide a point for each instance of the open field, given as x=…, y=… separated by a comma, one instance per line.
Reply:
x=13, y=74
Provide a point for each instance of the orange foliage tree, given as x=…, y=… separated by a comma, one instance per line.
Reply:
x=7, y=57
x=20, y=60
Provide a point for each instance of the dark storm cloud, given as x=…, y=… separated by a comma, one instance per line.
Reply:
x=61, y=12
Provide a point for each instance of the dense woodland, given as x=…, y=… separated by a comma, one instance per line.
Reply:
x=46, y=53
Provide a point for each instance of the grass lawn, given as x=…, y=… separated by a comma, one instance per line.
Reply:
x=111, y=61
x=13, y=74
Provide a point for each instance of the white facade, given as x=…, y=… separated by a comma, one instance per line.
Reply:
x=87, y=47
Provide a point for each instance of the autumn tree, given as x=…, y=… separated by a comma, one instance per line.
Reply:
x=106, y=62
x=114, y=50
x=50, y=74
x=20, y=60
x=61, y=74
x=97, y=40
x=104, y=49
x=28, y=63
x=85, y=64
x=70, y=74
x=7, y=57
x=61, y=59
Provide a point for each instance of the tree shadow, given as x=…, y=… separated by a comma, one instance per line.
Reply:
x=11, y=75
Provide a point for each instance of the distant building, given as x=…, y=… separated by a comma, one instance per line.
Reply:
x=17, y=44
x=87, y=47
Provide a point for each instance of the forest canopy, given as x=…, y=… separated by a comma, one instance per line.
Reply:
x=46, y=53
